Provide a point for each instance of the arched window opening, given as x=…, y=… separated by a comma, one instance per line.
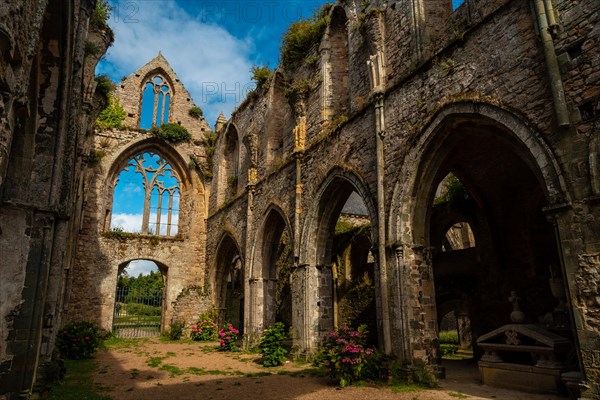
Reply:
x=138, y=300
x=229, y=283
x=339, y=64
x=274, y=264
x=450, y=191
x=459, y=237
x=229, y=165
x=342, y=239
x=156, y=99
x=147, y=196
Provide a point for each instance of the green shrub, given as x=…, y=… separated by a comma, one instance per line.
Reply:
x=78, y=340
x=104, y=85
x=91, y=49
x=271, y=347
x=143, y=309
x=261, y=75
x=302, y=36
x=345, y=356
x=195, y=112
x=173, y=133
x=176, y=330
x=205, y=329
x=450, y=337
x=101, y=15
x=112, y=116
x=448, y=349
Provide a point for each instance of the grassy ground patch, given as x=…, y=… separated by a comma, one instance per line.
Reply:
x=78, y=383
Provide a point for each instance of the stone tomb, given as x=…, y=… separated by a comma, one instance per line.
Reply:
x=524, y=357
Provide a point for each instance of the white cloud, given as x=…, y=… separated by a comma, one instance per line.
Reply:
x=129, y=222
x=133, y=223
x=204, y=56
x=137, y=267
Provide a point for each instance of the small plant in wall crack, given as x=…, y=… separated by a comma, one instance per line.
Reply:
x=195, y=112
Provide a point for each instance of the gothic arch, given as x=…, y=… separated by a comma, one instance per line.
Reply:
x=228, y=274
x=164, y=91
x=178, y=165
x=273, y=212
x=336, y=66
x=278, y=136
x=322, y=215
x=265, y=287
x=513, y=174
x=529, y=144
x=229, y=163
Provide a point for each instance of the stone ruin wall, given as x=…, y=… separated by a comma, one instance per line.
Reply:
x=181, y=259
x=48, y=99
x=467, y=60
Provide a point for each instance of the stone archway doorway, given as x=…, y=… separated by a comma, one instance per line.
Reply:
x=230, y=283
x=139, y=299
x=501, y=197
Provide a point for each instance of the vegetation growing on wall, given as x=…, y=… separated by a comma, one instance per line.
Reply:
x=262, y=76
x=104, y=85
x=173, y=133
x=112, y=116
x=301, y=87
x=453, y=192
x=101, y=14
x=209, y=141
x=195, y=112
x=302, y=36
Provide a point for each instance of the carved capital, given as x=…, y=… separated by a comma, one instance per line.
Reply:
x=377, y=72
x=300, y=135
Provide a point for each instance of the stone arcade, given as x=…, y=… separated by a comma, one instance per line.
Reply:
x=399, y=100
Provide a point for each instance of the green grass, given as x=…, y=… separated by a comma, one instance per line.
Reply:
x=173, y=370
x=77, y=383
x=404, y=388
x=154, y=361
x=114, y=342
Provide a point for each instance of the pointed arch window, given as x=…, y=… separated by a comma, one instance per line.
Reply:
x=146, y=197
x=156, y=99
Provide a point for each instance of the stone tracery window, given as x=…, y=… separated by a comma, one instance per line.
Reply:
x=156, y=99
x=146, y=197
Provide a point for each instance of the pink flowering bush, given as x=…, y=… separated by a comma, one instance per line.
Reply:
x=203, y=330
x=227, y=337
x=78, y=340
x=345, y=355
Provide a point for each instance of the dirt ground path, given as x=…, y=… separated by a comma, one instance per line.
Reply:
x=150, y=370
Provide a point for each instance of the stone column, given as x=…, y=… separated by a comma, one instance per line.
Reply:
x=377, y=77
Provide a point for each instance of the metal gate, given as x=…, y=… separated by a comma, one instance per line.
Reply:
x=137, y=313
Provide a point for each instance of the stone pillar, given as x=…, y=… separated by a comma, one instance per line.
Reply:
x=580, y=266
x=312, y=308
x=377, y=78
x=300, y=308
x=401, y=336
